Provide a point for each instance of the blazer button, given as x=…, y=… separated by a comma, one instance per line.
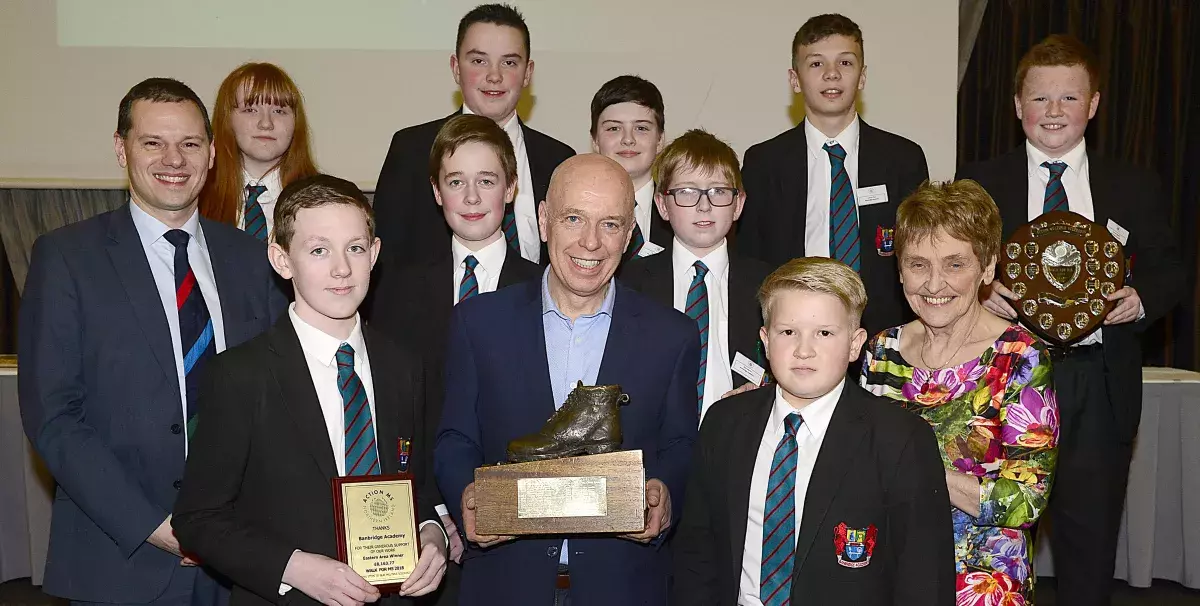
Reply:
x=176, y=429
x=177, y=484
x=552, y=551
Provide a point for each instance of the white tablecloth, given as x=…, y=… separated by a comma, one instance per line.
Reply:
x=1160, y=530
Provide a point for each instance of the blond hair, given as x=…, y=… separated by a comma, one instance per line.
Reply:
x=815, y=274
x=962, y=208
x=696, y=149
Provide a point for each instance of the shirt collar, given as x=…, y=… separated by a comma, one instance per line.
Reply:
x=1073, y=158
x=490, y=257
x=150, y=229
x=816, y=139
x=549, y=306
x=683, y=259
x=271, y=180
x=644, y=195
x=816, y=415
x=318, y=345
x=512, y=127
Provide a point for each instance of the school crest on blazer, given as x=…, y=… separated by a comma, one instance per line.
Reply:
x=854, y=546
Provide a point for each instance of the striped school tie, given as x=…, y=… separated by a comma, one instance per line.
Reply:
x=843, y=216
x=254, y=218
x=636, y=242
x=195, y=325
x=509, y=225
x=696, y=308
x=1056, y=193
x=469, y=286
x=779, y=520
x=362, y=458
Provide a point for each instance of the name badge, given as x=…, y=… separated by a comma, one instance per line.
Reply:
x=876, y=194
x=747, y=369
x=1118, y=232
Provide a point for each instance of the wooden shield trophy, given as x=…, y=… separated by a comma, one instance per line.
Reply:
x=1061, y=266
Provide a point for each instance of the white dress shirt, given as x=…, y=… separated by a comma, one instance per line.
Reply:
x=1079, y=193
x=811, y=435
x=320, y=353
x=487, y=272
x=643, y=213
x=816, y=222
x=718, y=378
x=524, y=206
x=161, y=255
x=267, y=200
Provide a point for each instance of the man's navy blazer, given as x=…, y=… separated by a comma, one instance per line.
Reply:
x=498, y=388
x=100, y=394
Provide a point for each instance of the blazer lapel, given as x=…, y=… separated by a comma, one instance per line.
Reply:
x=846, y=430
x=508, y=270
x=621, y=340
x=390, y=424
x=745, y=439
x=744, y=315
x=660, y=282
x=290, y=370
x=539, y=168
x=133, y=268
x=1011, y=190
x=1103, y=188
x=793, y=183
x=660, y=230
x=233, y=316
x=531, y=336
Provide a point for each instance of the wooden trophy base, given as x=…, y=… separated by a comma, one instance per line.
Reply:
x=604, y=493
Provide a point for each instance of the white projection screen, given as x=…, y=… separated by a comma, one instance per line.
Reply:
x=370, y=67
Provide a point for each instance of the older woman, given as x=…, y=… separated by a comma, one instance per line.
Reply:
x=982, y=383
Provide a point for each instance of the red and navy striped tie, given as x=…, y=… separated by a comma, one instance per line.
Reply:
x=779, y=519
x=1056, y=193
x=195, y=325
x=253, y=216
x=509, y=225
x=469, y=285
x=696, y=307
x=362, y=458
x=843, y=215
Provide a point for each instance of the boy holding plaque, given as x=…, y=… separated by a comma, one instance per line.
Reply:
x=814, y=491
x=256, y=503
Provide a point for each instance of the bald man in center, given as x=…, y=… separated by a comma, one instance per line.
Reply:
x=514, y=355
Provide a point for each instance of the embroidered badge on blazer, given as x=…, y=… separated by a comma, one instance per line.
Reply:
x=853, y=546
x=885, y=241
x=403, y=449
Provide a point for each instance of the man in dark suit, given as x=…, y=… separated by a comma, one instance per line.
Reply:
x=518, y=353
x=700, y=195
x=814, y=492
x=1099, y=379
x=628, y=118
x=830, y=187
x=491, y=66
x=120, y=313
x=315, y=398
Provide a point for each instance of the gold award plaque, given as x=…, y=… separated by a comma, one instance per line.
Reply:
x=377, y=527
x=1072, y=264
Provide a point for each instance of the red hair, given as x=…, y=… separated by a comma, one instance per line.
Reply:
x=224, y=192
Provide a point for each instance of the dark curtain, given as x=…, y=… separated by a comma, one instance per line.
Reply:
x=1149, y=112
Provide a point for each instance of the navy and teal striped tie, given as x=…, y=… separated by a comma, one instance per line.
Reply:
x=469, y=286
x=636, y=242
x=362, y=458
x=779, y=519
x=696, y=307
x=1056, y=193
x=843, y=216
x=509, y=226
x=253, y=217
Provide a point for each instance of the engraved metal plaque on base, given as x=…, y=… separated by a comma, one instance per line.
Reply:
x=1070, y=265
x=377, y=533
x=604, y=493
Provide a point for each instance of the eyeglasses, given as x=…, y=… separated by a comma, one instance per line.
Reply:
x=690, y=196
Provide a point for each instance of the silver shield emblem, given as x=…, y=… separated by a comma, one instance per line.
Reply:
x=1061, y=262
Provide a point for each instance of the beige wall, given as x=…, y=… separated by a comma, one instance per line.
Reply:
x=370, y=67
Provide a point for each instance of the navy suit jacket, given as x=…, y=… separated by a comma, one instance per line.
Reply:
x=100, y=395
x=498, y=388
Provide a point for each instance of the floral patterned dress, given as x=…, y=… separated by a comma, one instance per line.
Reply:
x=995, y=417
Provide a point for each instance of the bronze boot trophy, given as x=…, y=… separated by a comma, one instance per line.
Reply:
x=588, y=422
